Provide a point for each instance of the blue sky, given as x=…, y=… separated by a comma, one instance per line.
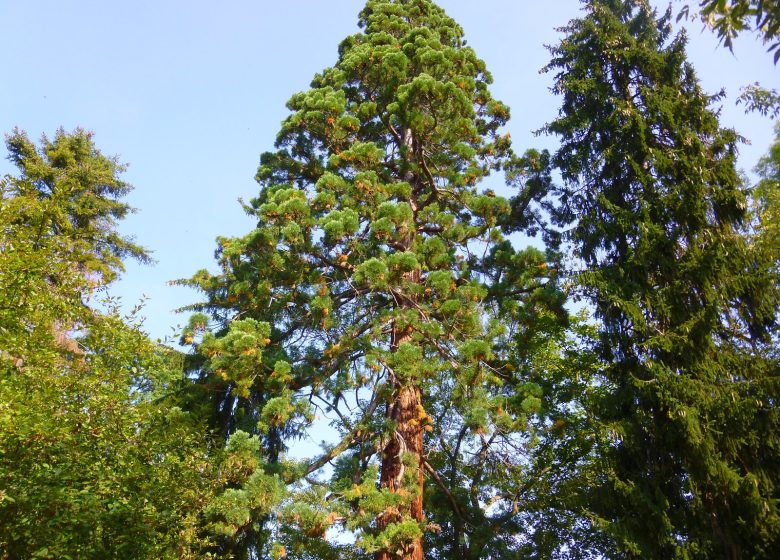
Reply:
x=190, y=92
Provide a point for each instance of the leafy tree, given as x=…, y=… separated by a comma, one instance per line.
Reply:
x=92, y=463
x=730, y=18
x=657, y=218
x=756, y=98
x=378, y=293
x=767, y=197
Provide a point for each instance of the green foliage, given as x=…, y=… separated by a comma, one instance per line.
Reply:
x=729, y=18
x=255, y=493
x=391, y=297
x=756, y=98
x=92, y=464
x=89, y=468
x=73, y=192
x=658, y=215
x=379, y=293
x=767, y=200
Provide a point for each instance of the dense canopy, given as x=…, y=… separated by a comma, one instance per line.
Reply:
x=609, y=391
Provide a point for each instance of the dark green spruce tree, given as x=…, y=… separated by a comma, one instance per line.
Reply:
x=656, y=214
x=377, y=294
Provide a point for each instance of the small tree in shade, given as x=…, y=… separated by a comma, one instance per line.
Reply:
x=377, y=291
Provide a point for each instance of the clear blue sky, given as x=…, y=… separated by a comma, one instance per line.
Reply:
x=190, y=92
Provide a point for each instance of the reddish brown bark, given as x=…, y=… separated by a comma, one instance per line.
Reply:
x=404, y=410
x=408, y=439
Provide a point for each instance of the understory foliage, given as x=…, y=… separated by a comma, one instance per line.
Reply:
x=658, y=218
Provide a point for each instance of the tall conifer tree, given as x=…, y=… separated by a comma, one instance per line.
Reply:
x=657, y=212
x=377, y=291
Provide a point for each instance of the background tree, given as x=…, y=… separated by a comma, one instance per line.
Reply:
x=92, y=463
x=767, y=199
x=657, y=214
x=727, y=19
x=731, y=17
x=81, y=191
x=377, y=292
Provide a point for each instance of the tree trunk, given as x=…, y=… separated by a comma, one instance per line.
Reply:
x=404, y=411
x=408, y=439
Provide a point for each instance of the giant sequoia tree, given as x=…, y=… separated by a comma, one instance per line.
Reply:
x=657, y=214
x=377, y=292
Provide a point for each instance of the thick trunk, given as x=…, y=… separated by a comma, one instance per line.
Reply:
x=731, y=550
x=404, y=449
x=408, y=440
x=404, y=410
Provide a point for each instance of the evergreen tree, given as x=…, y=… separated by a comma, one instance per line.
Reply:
x=93, y=463
x=657, y=218
x=377, y=292
x=82, y=191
